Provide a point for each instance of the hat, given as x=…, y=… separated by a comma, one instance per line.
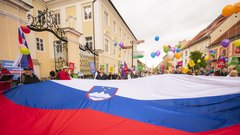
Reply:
x=27, y=68
x=65, y=67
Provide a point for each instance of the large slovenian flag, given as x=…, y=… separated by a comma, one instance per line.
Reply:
x=157, y=105
x=23, y=60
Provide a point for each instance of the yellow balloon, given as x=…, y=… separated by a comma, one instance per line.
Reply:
x=191, y=63
x=178, y=55
x=24, y=51
x=236, y=7
x=206, y=58
x=236, y=42
x=185, y=70
x=228, y=10
x=199, y=61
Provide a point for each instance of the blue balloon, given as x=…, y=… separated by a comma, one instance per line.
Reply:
x=156, y=38
x=178, y=50
x=153, y=54
x=226, y=59
x=115, y=44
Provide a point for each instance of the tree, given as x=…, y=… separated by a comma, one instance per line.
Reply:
x=195, y=56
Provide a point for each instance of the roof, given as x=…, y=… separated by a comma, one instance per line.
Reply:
x=232, y=34
x=205, y=33
x=122, y=18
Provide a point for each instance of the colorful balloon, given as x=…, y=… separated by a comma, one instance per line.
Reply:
x=156, y=38
x=199, y=61
x=206, y=58
x=178, y=55
x=169, y=46
x=115, y=44
x=24, y=50
x=191, y=63
x=212, y=54
x=236, y=42
x=158, y=53
x=25, y=29
x=170, y=54
x=172, y=49
x=236, y=7
x=178, y=50
x=221, y=58
x=166, y=49
x=153, y=54
x=179, y=45
x=228, y=10
x=185, y=70
x=226, y=59
x=121, y=45
x=225, y=42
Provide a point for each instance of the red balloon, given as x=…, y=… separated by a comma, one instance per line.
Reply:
x=25, y=29
x=169, y=46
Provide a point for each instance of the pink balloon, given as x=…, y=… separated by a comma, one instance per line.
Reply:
x=121, y=44
x=172, y=49
x=158, y=53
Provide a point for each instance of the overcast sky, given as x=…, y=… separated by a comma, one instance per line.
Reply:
x=171, y=20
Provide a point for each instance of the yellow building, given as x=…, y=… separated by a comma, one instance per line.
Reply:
x=208, y=36
x=84, y=22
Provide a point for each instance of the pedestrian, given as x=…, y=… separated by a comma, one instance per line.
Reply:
x=63, y=74
x=101, y=75
x=223, y=71
x=233, y=73
x=5, y=83
x=111, y=76
x=52, y=75
x=178, y=70
x=28, y=77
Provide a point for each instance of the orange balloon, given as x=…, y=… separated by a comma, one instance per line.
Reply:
x=228, y=10
x=236, y=7
x=178, y=55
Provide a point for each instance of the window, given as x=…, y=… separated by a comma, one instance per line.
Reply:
x=57, y=18
x=185, y=62
x=107, y=66
x=224, y=53
x=87, y=13
x=120, y=32
x=119, y=52
x=114, y=27
x=185, y=53
x=115, y=48
x=40, y=46
x=106, y=45
x=106, y=18
x=89, y=42
x=59, y=48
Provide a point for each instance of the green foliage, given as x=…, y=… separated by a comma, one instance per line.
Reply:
x=195, y=56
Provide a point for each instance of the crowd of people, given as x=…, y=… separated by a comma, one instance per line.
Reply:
x=208, y=71
x=29, y=77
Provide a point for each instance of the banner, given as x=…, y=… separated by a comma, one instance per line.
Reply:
x=92, y=67
x=16, y=71
x=111, y=69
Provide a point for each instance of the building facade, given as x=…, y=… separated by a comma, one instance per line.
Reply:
x=209, y=39
x=95, y=23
